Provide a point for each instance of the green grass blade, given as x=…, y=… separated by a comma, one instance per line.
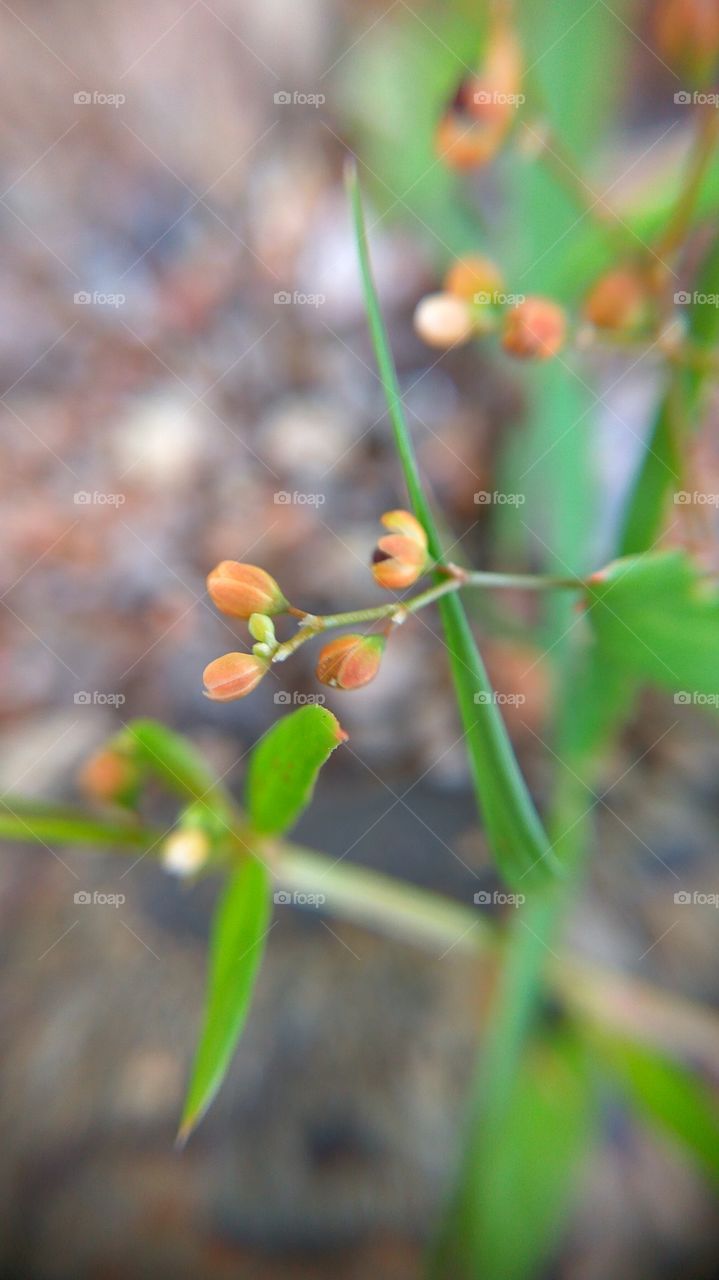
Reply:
x=516, y=836
x=236, y=946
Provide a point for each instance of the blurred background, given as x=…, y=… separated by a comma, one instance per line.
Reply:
x=186, y=377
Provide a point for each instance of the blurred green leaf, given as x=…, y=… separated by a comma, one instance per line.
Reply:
x=284, y=766
x=236, y=947
x=654, y=615
x=517, y=838
x=660, y=471
x=174, y=760
x=31, y=820
x=667, y=1093
x=517, y=1189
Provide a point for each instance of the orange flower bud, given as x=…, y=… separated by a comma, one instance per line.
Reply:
x=443, y=320
x=401, y=557
x=232, y=676
x=536, y=329
x=475, y=279
x=618, y=300
x=687, y=35
x=474, y=127
x=110, y=776
x=349, y=662
x=242, y=589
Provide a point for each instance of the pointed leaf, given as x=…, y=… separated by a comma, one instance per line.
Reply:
x=284, y=767
x=656, y=617
x=236, y=945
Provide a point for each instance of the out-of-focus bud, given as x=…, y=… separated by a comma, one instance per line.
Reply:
x=687, y=35
x=474, y=126
x=242, y=589
x=234, y=675
x=401, y=557
x=110, y=776
x=475, y=279
x=349, y=662
x=536, y=329
x=185, y=851
x=443, y=320
x=619, y=300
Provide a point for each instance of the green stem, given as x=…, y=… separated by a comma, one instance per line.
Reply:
x=314, y=624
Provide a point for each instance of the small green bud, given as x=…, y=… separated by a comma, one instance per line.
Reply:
x=262, y=629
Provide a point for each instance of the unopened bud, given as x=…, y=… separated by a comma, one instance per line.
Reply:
x=536, y=329
x=185, y=851
x=349, y=662
x=687, y=35
x=242, y=589
x=401, y=557
x=110, y=776
x=619, y=300
x=262, y=628
x=472, y=277
x=443, y=320
x=234, y=675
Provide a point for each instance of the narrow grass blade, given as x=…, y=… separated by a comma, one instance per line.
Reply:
x=518, y=841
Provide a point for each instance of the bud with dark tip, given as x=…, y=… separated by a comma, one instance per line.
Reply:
x=242, y=589
x=401, y=557
x=474, y=126
x=349, y=662
x=619, y=300
x=687, y=35
x=234, y=675
x=534, y=330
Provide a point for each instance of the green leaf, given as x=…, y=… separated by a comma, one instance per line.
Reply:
x=174, y=761
x=31, y=820
x=654, y=616
x=519, y=1177
x=517, y=838
x=284, y=766
x=236, y=946
x=668, y=1094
